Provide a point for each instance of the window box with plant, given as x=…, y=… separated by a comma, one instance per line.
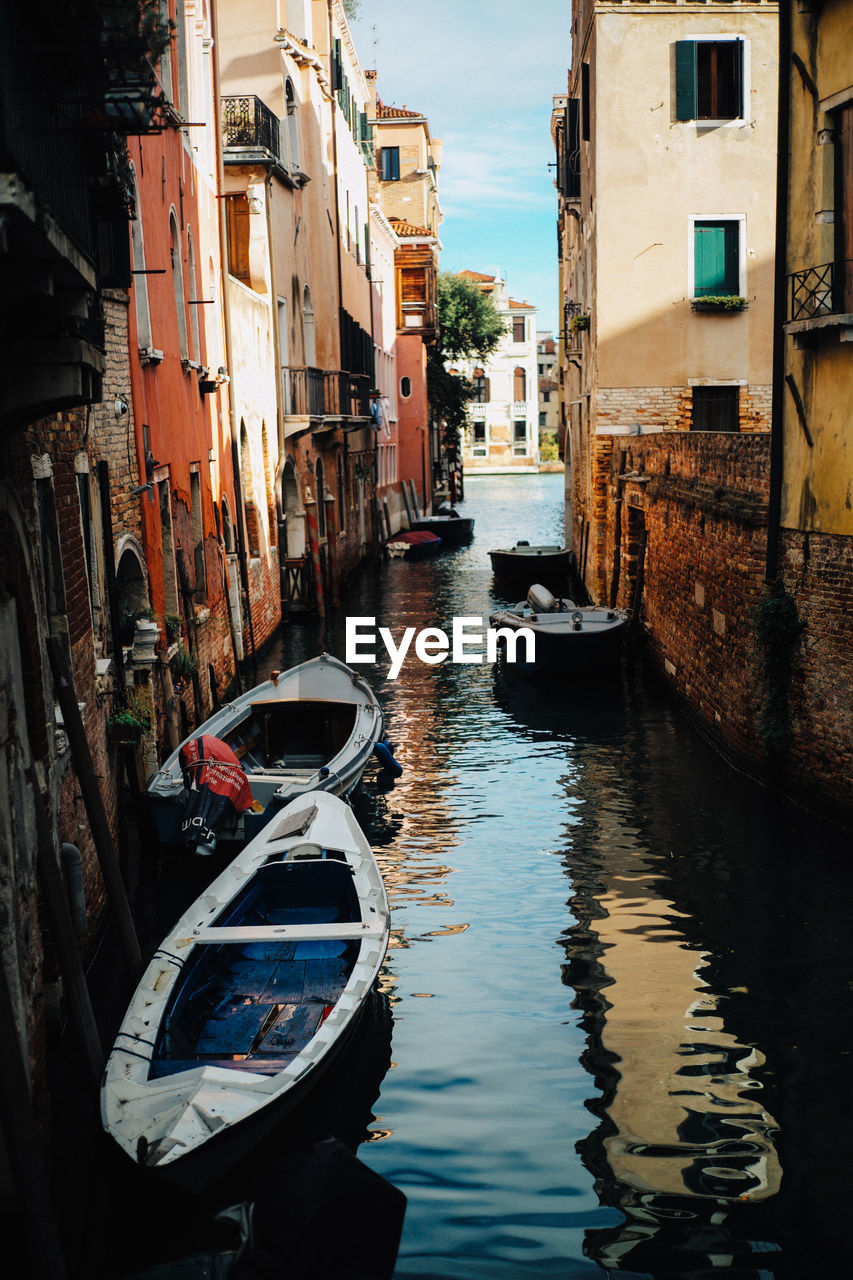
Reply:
x=720, y=302
x=579, y=323
x=130, y=721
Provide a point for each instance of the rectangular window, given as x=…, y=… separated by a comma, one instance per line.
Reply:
x=519, y=439
x=390, y=161
x=479, y=443
x=715, y=409
x=585, y=102
x=413, y=287
x=843, y=135
x=709, y=79
x=237, y=224
x=518, y=330
x=716, y=258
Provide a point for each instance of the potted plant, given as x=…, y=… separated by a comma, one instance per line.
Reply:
x=183, y=666
x=172, y=626
x=579, y=323
x=131, y=720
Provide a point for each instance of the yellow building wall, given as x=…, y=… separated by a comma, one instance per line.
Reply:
x=817, y=494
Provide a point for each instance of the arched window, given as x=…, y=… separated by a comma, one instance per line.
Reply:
x=140, y=280
x=519, y=384
x=290, y=129
x=342, y=494
x=253, y=524
x=308, y=328
x=268, y=480
x=227, y=526
x=178, y=285
x=194, y=298
x=405, y=387
x=481, y=386
x=321, y=500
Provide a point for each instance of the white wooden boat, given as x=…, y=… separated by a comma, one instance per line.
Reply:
x=569, y=640
x=245, y=1002
x=312, y=728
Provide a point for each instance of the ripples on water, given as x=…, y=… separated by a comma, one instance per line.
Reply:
x=620, y=976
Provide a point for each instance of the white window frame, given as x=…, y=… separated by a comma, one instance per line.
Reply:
x=692, y=219
x=746, y=81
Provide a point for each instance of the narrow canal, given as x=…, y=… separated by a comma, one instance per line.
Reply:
x=615, y=1025
x=620, y=975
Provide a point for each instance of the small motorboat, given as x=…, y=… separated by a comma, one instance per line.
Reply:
x=313, y=728
x=413, y=545
x=569, y=640
x=448, y=525
x=250, y=996
x=523, y=565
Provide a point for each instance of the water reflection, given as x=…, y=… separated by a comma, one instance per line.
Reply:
x=658, y=1093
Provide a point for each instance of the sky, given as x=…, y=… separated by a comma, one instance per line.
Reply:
x=483, y=72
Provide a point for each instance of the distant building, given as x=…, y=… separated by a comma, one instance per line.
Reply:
x=547, y=368
x=503, y=417
x=404, y=185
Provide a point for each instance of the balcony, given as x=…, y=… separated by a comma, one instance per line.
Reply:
x=250, y=131
x=477, y=412
x=519, y=408
x=325, y=393
x=820, y=303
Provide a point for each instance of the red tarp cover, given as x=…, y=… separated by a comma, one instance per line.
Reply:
x=220, y=773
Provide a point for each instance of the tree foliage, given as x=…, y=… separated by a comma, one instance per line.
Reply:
x=469, y=326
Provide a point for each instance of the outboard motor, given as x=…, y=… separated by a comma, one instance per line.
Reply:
x=540, y=599
x=216, y=789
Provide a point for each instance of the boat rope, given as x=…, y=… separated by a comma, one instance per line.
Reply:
x=167, y=955
x=131, y=1035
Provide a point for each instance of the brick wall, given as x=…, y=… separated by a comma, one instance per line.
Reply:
x=817, y=570
x=670, y=408
x=699, y=501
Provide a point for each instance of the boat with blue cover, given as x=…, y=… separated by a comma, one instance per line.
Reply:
x=252, y=994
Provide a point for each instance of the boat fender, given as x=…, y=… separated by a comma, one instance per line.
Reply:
x=324, y=771
x=383, y=754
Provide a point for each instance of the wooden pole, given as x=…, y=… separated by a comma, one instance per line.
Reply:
x=192, y=632
x=314, y=544
x=27, y=1166
x=63, y=683
x=65, y=939
x=110, y=573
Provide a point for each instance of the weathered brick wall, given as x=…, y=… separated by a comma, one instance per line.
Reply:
x=817, y=570
x=670, y=408
x=701, y=500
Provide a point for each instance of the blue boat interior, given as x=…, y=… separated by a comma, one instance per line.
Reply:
x=255, y=1005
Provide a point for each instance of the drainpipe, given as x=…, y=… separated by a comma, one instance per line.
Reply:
x=229, y=339
x=335, y=179
x=780, y=299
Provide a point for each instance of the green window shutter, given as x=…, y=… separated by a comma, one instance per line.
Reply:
x=738, y=69
x=685, y=79
x=716, y=259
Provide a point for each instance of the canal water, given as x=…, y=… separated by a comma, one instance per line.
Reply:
x=614, y=1028
x=620, y=976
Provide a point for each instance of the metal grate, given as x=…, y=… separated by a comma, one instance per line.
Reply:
x=812, y=292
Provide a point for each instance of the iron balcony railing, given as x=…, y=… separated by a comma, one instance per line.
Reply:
x=812, y=292
x=248, y=122
x=821, y=291
x=326, y=393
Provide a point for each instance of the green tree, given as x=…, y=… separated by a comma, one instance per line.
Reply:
x=469, y=326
